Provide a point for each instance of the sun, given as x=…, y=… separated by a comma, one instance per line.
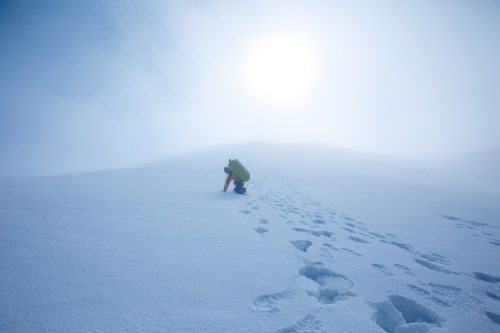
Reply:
x=280, y=68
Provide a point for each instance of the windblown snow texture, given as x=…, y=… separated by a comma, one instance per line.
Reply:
x=162, y=248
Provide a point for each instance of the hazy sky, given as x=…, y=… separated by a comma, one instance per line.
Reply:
x=99, y=84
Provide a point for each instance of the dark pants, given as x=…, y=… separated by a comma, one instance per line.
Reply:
x=238, y=183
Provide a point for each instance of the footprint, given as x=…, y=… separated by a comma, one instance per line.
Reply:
x=401, y=314
x=332, y=286
x=427, y=294
x=308, y=324
x=405, y=269
x=486, y=277
x=314, y=232
x=434, y=257
x=418, y=290
x=477, y=224
x=414, y=312
x=301, y=245
x=449, y=217
x=376, y=235
x=382, y=269
x=263, y=220
x=445, y=290
x=493, y=296
x=495, y=242
x=330, y=246
x=349, y=230
x=359, y=240
x=404, y=246
x=353, y=252
x=439, y=302
x=471, y=222
x=269, y=302
x=319, y=221
x=246, y=212
x=368, y=236
x=434, y=267
x=261, y=230
x=493, y=316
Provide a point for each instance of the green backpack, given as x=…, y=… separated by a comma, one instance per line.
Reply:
x=239, y=170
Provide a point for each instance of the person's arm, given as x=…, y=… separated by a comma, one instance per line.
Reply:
x=229, y=178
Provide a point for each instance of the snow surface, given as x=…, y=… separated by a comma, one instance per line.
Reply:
x=324, y=241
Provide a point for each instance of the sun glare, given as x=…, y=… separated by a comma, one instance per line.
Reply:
x=279, y=68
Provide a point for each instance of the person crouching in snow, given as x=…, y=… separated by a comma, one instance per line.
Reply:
x=237, y=172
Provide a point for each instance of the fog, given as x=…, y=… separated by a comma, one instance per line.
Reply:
x=105, y=84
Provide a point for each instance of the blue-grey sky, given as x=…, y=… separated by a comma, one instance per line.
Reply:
x=87, y=85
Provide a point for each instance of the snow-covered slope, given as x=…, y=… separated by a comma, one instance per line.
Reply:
x=325, y=241
x=479, y=170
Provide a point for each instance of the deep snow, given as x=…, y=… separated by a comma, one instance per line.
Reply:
x=324, y=241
